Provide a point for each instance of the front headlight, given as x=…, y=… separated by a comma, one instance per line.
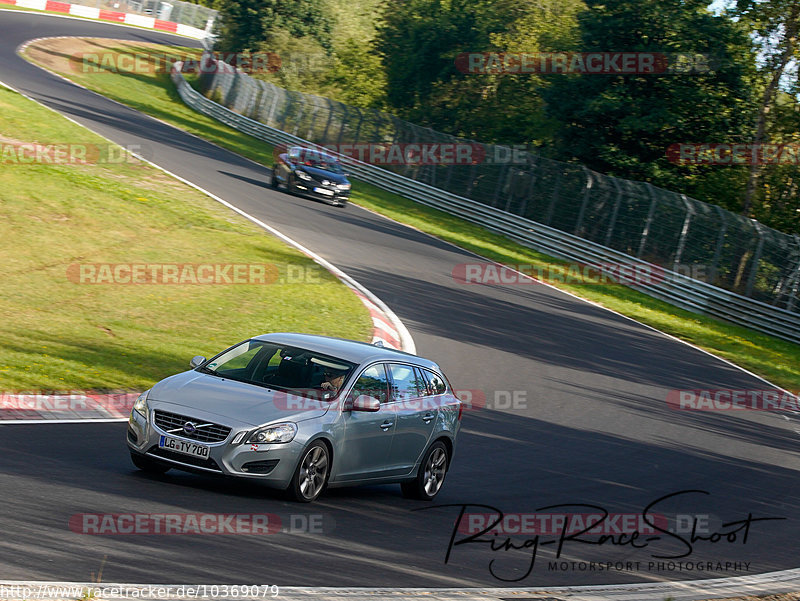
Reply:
x=284, y=432
x=344, y=186
x=140, y=406
x=303, y=175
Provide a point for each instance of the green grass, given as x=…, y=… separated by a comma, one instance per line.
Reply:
x=61, y=335
x=772, y=358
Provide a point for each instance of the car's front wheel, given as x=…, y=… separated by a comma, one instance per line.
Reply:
x=430, y=476
x=274, y=181
x=148, y=465
x=311, y=474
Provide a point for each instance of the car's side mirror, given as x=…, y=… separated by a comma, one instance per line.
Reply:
x=366, y=403
x=197, y=361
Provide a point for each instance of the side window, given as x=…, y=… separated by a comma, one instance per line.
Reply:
x=405, y=382
x=372, y=382
x=436, y=384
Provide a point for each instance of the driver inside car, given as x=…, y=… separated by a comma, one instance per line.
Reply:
x=332, y=380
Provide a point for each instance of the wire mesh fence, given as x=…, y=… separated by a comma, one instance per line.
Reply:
x=679, y=233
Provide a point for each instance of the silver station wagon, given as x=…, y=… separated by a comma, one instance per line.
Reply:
x=302, y=413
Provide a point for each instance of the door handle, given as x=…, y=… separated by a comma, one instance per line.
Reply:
x=386, y=425
x=428, y=417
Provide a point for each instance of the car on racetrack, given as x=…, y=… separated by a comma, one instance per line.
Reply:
x=301, y=413
x=312, y=173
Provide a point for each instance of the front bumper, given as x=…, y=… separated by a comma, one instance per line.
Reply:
x=274, y=464
x=316, y=190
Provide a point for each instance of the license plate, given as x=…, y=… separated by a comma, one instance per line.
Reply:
x=184, y=447
x=324, y=191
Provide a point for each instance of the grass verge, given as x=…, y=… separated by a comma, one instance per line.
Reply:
x=153, y=93
x=60, y=334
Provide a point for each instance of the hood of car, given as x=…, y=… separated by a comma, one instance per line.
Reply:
x=321, y=174
x=230, y=402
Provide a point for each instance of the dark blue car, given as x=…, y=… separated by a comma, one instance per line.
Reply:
x=311, y=173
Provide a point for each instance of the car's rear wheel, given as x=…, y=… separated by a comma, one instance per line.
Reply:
x=311, y=474
x=430, y=476
x=148, y=465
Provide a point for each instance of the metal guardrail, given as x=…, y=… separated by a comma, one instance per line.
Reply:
x=669, y=286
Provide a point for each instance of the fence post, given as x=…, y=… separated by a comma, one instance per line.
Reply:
x=300, y=114
x=286, y=111
x=533, y=172
x=327, y=123
x=614, y=212
x=341, y=128
x=512, y=174
x=554, y=199
x=684, y=232
x=586, y=193
x=499, y=186
x=376, y=136
x=751, y=280
x=712, y=276
x=358, y=127
x=310, y=135
x=796, y=275
x=649, y=222
x=395, y=122
x=408, y=166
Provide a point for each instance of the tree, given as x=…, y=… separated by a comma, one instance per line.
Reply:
x=622, y=124
x=776, y=24
x=422, y=42
x=244, y=24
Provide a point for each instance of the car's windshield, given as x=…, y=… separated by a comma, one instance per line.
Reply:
x=296, y=370
x=322, y=161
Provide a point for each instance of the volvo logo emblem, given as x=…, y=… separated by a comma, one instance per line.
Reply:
x=189, y=428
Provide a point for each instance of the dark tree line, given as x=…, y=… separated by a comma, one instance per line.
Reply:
x=406, y=57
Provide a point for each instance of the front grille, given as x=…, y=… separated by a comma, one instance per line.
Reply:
x=187, y=459
x=173, y=423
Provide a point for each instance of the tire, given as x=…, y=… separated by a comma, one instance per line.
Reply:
x=274, y=181
x=312, y=473
x=430, y=477
x=148, y=465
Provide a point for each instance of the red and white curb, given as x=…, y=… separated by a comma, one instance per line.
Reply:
x=122, y=18
x=383, y=331
x=68, y=406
